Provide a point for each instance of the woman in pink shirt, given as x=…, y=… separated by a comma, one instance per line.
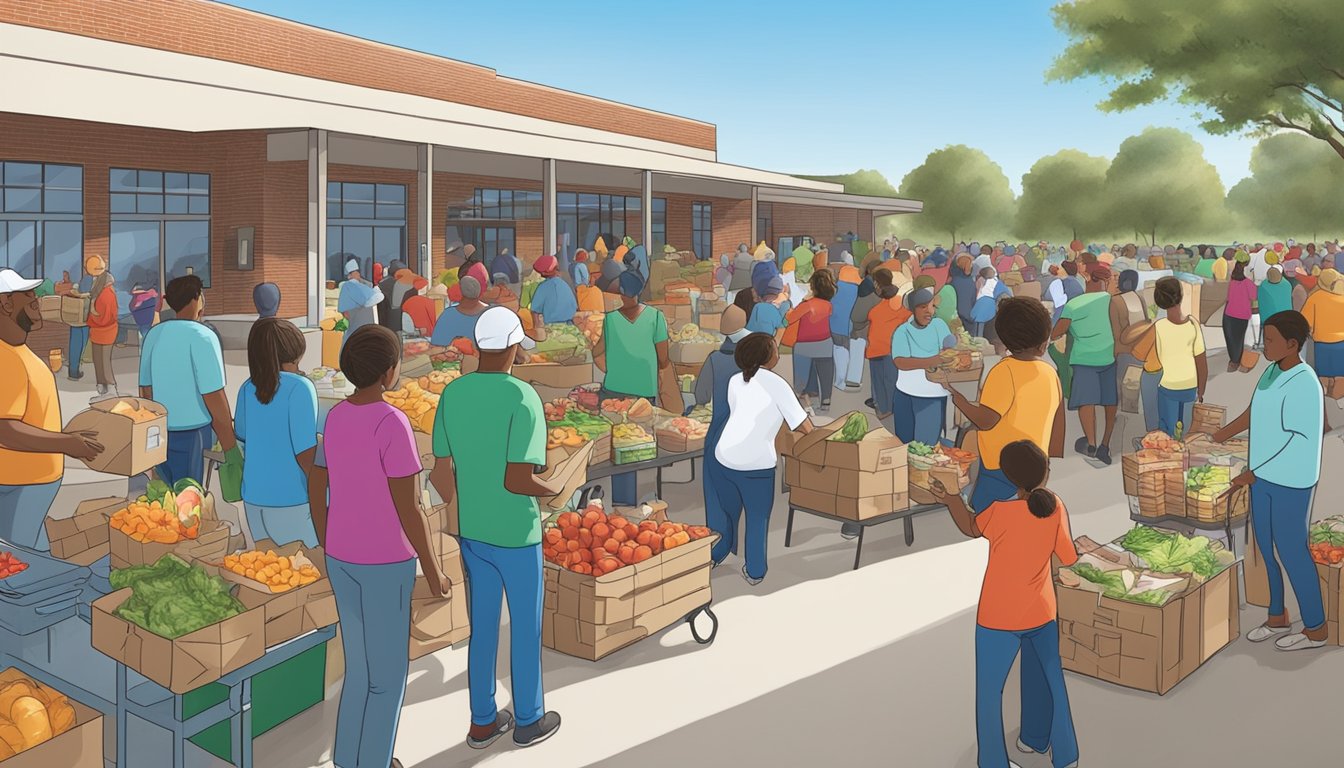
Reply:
x=1237, y=315
x=373, y=532
x=813, y=361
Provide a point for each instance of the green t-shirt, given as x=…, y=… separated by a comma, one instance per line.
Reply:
x=486, y=421
x=632, y=358
x=1089, y=319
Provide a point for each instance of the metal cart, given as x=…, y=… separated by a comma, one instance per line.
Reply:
x=905, y=515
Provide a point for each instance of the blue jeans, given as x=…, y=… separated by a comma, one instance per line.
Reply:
x=991, y=485
x=736, y=490
x=79, y=339
x=374, y=606
x=23, y=513
x=884, y=375
x=1280, y=516
x=186, y=449
x=1148, y=386
x=493, y=575
x=1047, y=722
x=281, y=524
x=921, y=419
x=1175, y=405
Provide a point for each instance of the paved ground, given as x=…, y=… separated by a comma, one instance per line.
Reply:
x=865, y=668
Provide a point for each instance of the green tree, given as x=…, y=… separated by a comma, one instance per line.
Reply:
x=963, y=191
x=1061, y=197
x=1294, y=187
x=1160, y=183
x=860, y=182
x=1266, y=64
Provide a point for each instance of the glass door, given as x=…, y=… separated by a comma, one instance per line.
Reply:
x=135, y=258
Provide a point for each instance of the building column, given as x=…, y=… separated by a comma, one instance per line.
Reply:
x=424, y=215
x=548, y=202
x=646, y=214
x=317, y=225
x=755, y=217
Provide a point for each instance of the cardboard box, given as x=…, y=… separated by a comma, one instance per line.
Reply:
x=440, y=622
x=286, y=614
x=331, y=349
x=692, y=353
x=878, y=450
x=82, y=538
x=1212, y=297
x=50, y=306
x=75, y=310
x=79, y=747
x=846, y=508
x=1029, y=289
x=129, y=448
x=1148, y=647
x=711, y=321
x=183, y=664
x=676, y=314
x=210, y=545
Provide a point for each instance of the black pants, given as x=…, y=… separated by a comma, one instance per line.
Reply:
x=1234, y=333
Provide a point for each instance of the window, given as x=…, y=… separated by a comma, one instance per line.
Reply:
x=582, y=218
x=365, y=222
x=702, y=230
x=489, y=240
x=42, y=219
x=659, y=225
x=160, y=229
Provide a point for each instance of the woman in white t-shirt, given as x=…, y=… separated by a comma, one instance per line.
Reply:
x=759, y=402
x=920, y=405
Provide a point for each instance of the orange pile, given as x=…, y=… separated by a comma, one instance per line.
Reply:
x=595, y=544
x=278, y=573
x=150, y=522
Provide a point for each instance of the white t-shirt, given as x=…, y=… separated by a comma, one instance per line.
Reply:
x=756, y=409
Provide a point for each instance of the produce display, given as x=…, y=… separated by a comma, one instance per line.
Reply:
x=436, y=380
x=627, y=434
x=625, y=408
x=129, y=409
x=1327, y=541
x=1147, y=566
x=1208, y=482
x=172, y=598
x=163, y=515
x=593, y=543
x=30, y=714
x=10, y=564
x=590, y=325
x=277, y=573
x=414, y=347
x=565, y=416
x=968, y=353
x=587, y=397
x=690, y=333
x=853, y=430
x=1162, y=442
x=703, y=413
x=1169, y=552
x=418, y=403
x=690, y=428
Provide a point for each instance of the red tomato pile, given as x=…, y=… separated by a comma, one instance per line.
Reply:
x=10, y=565
x=592, y=543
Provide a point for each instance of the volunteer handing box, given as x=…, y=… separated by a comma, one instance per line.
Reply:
x=133, y=432
x=80, y=746
x=291, y=613
x=185, y=663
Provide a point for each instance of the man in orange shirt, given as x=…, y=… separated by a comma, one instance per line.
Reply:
x=32, y=446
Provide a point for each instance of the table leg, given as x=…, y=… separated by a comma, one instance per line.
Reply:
x=658, y=481
x=245, y=749
x=122, y=715
x=788, y=532
x=858, y=550
x=179, y=748
x=236, y=721
x=909, y=531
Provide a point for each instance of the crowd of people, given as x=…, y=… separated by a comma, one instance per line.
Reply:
x=355, y=491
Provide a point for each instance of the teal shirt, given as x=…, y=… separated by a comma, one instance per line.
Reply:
x=1287, y=421
x=1089, y=317
x=765, y=318
x=484, y=422
x=1274, y=298
x=632, y=357
x=182, y=360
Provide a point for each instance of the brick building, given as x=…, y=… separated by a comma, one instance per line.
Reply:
x=183, y=135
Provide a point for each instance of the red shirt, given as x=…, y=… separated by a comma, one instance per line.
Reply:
x=421, y=311
x=103, y=328
x=814, y=320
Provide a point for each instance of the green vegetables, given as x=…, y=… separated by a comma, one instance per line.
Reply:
x=590, y=426
x=1172, y=552
x=171, y=598
x=1113, y=583
x=157, y=490
x=919, y=449
x=855, y=427
x=341, y=326
x=1329, y=531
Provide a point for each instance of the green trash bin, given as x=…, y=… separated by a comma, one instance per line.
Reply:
x=277, y=695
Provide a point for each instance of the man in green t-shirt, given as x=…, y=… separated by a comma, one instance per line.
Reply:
x=489, y=445
x=1086, y=320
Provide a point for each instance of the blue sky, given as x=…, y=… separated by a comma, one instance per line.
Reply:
x=800, y=87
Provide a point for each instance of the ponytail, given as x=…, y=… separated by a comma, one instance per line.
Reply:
x=1042, y=503
x=753, y=353
x=1026, y=466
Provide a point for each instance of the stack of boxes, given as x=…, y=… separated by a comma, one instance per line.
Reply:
x=853, y=481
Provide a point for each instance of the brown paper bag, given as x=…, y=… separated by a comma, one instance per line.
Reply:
x=669, y=391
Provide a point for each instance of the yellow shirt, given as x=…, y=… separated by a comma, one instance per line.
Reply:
x=28, y=394
x=1177, y=347
x=1220, y=269
x=1325, y=313
x=1026, y=396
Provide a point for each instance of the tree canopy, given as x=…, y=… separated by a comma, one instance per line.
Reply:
x=1264, y=65
x=860, y=182
x=1062, y=197
x=1294, y=187
x=1160, y=183
x=963, y=191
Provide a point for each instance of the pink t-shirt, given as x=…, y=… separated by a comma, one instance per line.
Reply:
x=1240, y=294
x=363, y=446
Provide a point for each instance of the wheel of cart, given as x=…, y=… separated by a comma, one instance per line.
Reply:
x=706, y=611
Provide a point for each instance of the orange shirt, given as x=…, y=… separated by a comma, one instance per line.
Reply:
x=1018, y=592
x=103, y=328
x=883, y=320
x=1026, y=395
x=28, y=394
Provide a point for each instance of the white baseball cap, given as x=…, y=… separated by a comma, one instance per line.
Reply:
x=13, y=282
x=351, y=266
x=498, y=328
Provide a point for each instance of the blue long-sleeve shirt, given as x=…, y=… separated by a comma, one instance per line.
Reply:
x=1287, y=422
x=841, y=306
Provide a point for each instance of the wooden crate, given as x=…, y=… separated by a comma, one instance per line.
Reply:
x=1206, y=418
x=1175, y=493
x=1137, y=469
x=1153, y=506
x=1231, y=504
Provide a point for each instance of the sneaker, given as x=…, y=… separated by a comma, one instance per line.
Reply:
x=871, y=403
x=849, y=530
x=1104, y=454
x=75, y=377
x=1304, y=640
x=825, y=406
x=482, y=736
x=102, y=389
x=852, y=386
x=1027, y=750
x=1267, y=630
x=543, y=729
x=1083, y=447
x=747, y=576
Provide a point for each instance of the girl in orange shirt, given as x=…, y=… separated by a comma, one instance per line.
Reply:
x=103, y=331
x=1018, y=610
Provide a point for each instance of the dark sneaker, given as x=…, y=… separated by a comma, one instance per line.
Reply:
x=870, y=402
x=543, y=729
x=1104, y=454
x=1082, y=447
x=482, y=736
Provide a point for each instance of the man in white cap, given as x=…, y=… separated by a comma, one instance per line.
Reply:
x=490, y=430
x=32, y=446
x=356, y=300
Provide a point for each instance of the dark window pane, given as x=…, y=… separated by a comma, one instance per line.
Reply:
x=392, y=212
x=23, y=199
x=360, y=193
x=122, y=180
x=175, y=204
x=149, y=204
x=133, y=257
x=175, y=182
x=391, y=193
x=353, y=210
x=65, y=176
x=357, y=244
x=23, y=173
x=151, y=181
x=199, y=204
x=21, y=247
x=333, y=209
x=200, y=183
x=186, y=249
x=123, y=203
x=62, y=248
x=387, y=245
x=63, y=201
x=335, y=264
x=490, y=203
x=334, y=190
x=632, y=205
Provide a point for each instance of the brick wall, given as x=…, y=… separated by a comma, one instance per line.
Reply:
x=822, y=224
x=217, y=31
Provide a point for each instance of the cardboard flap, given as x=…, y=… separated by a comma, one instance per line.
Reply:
x=573, y=473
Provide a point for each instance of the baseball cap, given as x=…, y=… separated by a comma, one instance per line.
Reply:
x=498, y=328
x=13, y=282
